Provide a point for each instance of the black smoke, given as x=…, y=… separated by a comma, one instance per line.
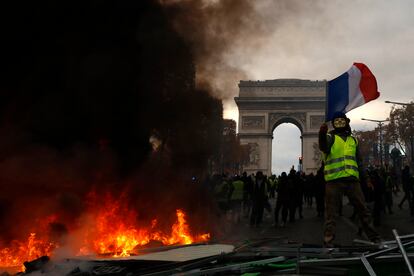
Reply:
x=100, y=72
x=84, y=86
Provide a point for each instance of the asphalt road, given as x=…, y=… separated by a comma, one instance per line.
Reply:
x=309, y=229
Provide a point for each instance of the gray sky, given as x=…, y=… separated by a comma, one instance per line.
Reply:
x=286, y=148
x=319, y=40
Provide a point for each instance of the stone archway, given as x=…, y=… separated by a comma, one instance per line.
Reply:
x=265, y=104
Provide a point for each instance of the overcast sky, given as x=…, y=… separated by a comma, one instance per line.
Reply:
x=320, y=40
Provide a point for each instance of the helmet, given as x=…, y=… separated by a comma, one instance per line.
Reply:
x=340, y=121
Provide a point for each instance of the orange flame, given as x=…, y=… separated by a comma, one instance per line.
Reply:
x=111, y=229
x=19, y=252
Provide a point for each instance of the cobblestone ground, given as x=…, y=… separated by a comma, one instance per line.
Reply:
x=309, y=229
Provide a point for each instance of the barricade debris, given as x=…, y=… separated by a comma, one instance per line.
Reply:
x=268, y=256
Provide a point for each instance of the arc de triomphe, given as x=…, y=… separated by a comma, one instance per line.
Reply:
x=263, y=105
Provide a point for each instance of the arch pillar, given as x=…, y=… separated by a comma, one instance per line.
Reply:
x=260, y=152
x=310, y=153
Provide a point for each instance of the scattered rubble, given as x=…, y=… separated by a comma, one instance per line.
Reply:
x=268, y=256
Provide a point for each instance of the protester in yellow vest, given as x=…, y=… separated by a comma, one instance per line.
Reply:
x=221, y=194
x=236, y=198
x=342, y=175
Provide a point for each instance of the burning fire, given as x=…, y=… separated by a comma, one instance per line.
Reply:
x=111, y=229
x=19, y=252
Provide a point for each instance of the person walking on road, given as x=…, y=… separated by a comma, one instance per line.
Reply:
x=407, y=188
x=236, y=199
x=259, y=198
x=247, y=194
x=320, y=192
x=293, y=190
x=342, y=172
x=283, y=198
x=389, y=188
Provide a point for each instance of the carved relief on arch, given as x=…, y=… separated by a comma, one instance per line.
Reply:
x=289, y=117
x=316, y=121
x=253, y=122
x=254, y=153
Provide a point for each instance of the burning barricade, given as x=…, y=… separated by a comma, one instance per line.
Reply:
x=109, y=228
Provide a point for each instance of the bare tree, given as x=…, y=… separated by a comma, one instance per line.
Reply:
x=401, y=128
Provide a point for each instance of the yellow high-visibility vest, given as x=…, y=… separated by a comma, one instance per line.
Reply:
x=341, y=161
x=238, y=190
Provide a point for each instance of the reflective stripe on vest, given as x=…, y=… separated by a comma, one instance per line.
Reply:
x=238, y=190
x=341, y=161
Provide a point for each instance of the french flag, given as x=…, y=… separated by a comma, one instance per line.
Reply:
x=353, y=88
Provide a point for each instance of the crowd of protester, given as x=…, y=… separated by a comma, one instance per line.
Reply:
x=250, y=196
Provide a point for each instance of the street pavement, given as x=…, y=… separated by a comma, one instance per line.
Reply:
x=309, y=230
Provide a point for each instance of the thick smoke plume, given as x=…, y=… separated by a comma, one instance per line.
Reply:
x=84, y=89
x=214, y=29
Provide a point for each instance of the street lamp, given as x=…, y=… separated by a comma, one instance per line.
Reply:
x=380, y=123
x=398, y=103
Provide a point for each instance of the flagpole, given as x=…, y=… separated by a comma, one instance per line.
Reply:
x=326, y=100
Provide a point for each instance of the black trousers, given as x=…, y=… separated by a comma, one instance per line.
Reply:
x=257, y=212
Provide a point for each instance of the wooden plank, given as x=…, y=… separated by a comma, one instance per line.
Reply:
x=182, y=254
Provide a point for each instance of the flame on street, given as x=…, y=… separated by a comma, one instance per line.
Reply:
x=19, y=252
x=109, y=228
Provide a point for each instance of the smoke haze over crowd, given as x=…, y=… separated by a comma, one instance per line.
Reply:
x=86, y=86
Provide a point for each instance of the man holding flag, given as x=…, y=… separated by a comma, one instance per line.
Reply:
x=343, y=169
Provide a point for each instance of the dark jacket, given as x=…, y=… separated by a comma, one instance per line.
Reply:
x=259, y=190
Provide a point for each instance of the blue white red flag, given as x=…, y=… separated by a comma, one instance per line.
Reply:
x=353, y=88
